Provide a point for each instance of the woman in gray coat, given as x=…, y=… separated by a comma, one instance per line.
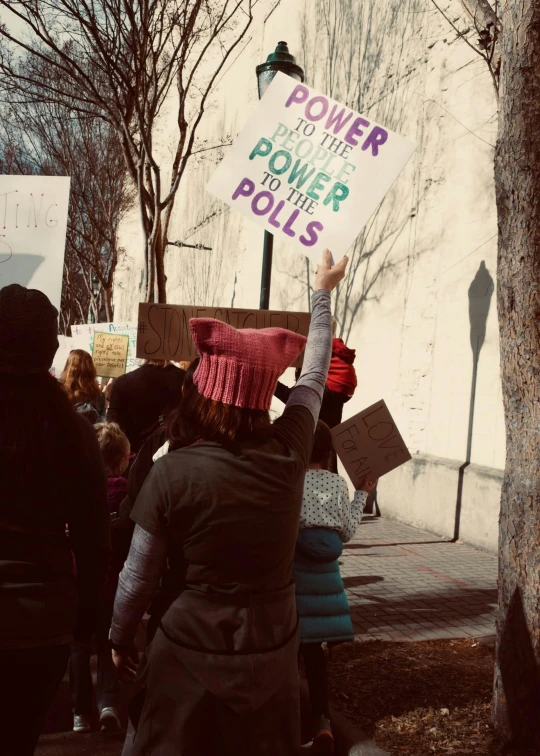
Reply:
x=217, y=521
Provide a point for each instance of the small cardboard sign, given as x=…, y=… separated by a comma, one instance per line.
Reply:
x=164, y=332
x=370, y=444
x=110, y=354
x=83, y=338
x=309, y=170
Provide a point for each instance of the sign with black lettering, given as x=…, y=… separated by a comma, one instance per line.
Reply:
x=164, y=333
x=110, y=354
x=370, y=444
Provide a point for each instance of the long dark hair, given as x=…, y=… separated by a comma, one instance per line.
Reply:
x=40, y=441
x=79, y=378
x=200, y=419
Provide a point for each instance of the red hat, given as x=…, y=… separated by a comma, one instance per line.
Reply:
x=341, y=374
x=241, y=367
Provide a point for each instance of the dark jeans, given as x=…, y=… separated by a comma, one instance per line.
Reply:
x=29, y=678
x=80, y=676
x=317, y=678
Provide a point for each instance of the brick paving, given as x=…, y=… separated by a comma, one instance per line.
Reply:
x=406, y=584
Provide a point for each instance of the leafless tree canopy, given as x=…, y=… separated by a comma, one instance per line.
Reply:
x=45, y=138
x=118, y=60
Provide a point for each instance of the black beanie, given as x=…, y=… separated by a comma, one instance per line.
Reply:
x=28, y=331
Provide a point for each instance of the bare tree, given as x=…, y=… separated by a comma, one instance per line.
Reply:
x=47, y=139
x=517, y=180
x=119, y=61
x=483, y=37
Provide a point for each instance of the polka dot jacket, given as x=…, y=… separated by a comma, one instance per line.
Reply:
x=326, y=504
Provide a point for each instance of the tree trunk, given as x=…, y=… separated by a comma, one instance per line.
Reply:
x=517, y=176
x=161, y=278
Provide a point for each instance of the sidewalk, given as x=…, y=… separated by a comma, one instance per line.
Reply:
x=406, y=584
x=403, y=584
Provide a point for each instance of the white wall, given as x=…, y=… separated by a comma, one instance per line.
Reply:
x=408, y=310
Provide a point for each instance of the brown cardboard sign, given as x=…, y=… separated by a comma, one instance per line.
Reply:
x=164, y=333
x=110, y=354
x=370, y=444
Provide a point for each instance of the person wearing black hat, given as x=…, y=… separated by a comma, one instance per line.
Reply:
x=51, y=474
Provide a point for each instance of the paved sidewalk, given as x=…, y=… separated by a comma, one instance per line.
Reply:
x=406, y=584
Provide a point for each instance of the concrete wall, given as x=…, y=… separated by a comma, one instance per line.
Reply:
x=446, y=498
x=419, y=302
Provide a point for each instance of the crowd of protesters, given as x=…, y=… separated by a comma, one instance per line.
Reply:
x=171, y=493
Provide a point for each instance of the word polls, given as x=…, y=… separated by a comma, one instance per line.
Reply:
x=33, y=222
x=164, y=332
x=110, y=354
x=308, y=169
x=370, y=444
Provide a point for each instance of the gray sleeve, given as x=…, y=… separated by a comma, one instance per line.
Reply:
x=137, y=584
x=309, y=388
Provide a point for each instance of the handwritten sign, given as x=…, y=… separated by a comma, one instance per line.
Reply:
x=84, y=339
x=33, y=222
x=164, y=332
x=110, y=354
x=308, y=169
x=370, y=444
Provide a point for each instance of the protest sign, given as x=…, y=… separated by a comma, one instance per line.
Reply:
x=164, y=332
x=84, y=339
x=65, y=345
x=33, y=222
x=369, y=444
x=110, y=354
x=308, y=169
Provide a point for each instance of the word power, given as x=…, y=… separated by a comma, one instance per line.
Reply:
x=308, y=169
x=164, y=332
x=369, y=444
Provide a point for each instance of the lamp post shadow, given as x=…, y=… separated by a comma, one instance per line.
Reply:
x=480, y=293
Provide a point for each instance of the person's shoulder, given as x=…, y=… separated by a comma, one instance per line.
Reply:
x=122, y=380
x=174, y=373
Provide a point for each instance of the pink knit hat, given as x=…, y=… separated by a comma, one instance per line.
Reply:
x=241, y=367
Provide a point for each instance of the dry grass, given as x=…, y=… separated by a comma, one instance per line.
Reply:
x=419, y=699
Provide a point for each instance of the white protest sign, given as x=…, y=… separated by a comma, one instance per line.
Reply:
x=84, y=339
x=33, y=222
x=65, y=345
x=308, y=169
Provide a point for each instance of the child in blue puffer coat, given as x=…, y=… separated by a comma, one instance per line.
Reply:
x=328, y=520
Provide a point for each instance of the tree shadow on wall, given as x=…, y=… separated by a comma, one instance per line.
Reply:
x=480, y=293
x=345, y=53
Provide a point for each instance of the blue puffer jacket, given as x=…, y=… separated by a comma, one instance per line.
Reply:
x=321, y=601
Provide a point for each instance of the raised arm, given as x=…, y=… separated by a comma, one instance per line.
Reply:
x=309, y=388
x=353, y=510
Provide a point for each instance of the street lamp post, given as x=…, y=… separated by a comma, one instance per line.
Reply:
x=280, y=60
x=95, y=292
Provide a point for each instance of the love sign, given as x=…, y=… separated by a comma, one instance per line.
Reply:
x=370, y=444
x=308, y=169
